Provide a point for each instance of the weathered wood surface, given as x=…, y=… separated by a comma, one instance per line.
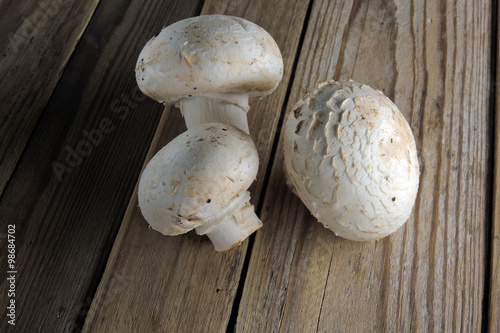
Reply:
x=37, y=38
x=438, y=273
x=66, y=223
x=180, y=284
x=494, y=292
x=433, y=60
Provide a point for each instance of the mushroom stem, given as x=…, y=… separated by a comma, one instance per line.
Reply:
x=222, y=108
x=234, y=229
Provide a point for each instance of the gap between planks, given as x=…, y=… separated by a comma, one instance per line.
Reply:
x=258, y=209
x=492, y=293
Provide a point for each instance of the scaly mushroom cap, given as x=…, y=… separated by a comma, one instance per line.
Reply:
x=350, y=156
x=198, y=178
x=208, y=55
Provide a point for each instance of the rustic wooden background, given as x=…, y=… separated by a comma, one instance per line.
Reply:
x=85, y=257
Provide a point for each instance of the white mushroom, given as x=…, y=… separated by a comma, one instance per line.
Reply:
x=350, y=156
x=199, y=181
x=210, y=66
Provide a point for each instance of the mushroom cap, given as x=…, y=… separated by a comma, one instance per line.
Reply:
x=197, y=178
x=208, y=55
x=350, y=156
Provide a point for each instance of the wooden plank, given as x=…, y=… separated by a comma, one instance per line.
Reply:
x=37, y=39
x=180, y=284
x=494, y=288
x=66, y=220
x=432, y=59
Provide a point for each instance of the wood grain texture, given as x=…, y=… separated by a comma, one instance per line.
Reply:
x=180, y=284
x=432, y=59
x=66, y=223
x=494, y=290
x=37, y=40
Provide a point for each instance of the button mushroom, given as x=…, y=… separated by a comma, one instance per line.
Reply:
x=199, y=181
x=350, y=156
x=210, y=66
